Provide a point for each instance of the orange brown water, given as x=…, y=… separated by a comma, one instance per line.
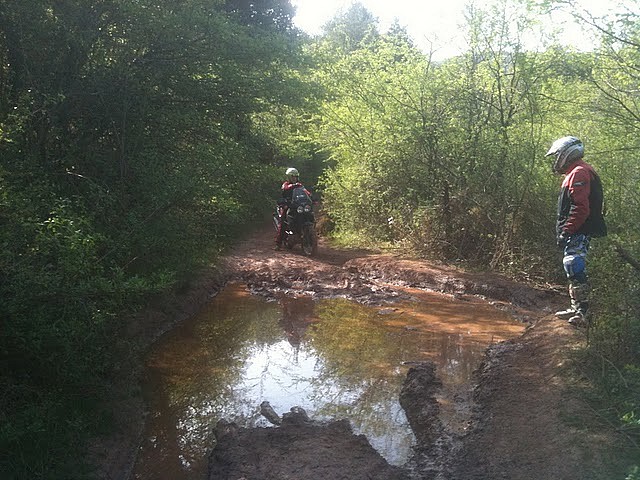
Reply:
x=334, y=358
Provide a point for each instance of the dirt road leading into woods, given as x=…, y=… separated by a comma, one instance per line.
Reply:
x=524, y=423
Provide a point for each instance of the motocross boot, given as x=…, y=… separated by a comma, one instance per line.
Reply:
x=579, y=320
x=566, y=314
x=278, y=239
x=579, y=293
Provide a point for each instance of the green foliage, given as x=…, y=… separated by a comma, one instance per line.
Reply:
x=129, y=155
x=416, y=147
x=615, y=273
x=351, y=30
x=617, y=331
x=446, y=160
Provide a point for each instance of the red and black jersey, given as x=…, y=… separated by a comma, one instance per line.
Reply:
x=580, y=202
x=287, y=189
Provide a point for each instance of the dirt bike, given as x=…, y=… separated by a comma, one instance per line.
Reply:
x=299, y=224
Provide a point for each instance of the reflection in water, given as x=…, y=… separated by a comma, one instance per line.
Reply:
x=334, y=358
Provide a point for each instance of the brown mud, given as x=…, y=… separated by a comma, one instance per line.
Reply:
x=526, y=424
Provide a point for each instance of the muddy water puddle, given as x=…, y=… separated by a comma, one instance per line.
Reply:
x=334, y=358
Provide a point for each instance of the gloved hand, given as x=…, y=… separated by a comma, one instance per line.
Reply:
x=563, y=239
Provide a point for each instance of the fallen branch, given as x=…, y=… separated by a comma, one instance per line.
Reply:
x=627, y=257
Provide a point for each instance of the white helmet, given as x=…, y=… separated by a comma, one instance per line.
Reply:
x=292, y=172
x=567, y=150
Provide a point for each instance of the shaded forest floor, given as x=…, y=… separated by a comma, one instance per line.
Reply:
x=528, y=420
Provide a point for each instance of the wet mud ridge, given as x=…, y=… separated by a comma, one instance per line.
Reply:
x=523, y=424
x=298, y=449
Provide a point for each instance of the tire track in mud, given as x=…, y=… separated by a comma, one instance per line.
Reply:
x=367, y=276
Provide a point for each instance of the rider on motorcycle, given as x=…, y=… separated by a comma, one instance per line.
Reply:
x=293, y=181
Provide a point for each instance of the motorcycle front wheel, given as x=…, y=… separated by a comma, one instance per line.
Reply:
x=309, y=240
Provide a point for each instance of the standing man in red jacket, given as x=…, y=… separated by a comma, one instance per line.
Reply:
x=580, y=217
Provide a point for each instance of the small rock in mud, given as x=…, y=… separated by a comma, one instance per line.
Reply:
x=267, y=411
x=387, y=311
x=297, y=416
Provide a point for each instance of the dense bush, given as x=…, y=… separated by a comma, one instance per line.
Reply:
x=446, y=159
x=130, y=154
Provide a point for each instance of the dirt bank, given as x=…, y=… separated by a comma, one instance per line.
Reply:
x=525, y=425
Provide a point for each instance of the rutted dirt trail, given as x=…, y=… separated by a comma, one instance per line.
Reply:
x=524, y=425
